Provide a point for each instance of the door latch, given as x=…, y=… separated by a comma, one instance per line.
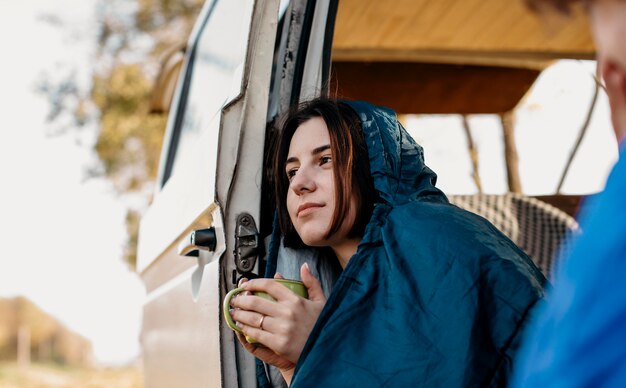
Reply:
x=247, y=244
x=201, y=239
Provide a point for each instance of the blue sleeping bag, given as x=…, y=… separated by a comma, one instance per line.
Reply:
x=434, y=297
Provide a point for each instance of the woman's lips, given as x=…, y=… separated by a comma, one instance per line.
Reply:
x=307, y=208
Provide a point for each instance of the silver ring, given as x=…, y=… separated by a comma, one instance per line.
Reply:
x=261, y=322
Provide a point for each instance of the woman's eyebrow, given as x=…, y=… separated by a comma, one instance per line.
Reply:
x=315, y=151
x=320, y=149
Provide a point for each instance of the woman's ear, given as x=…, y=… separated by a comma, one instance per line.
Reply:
x=614, y=77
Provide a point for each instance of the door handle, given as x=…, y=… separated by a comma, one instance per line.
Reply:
x=201, y=239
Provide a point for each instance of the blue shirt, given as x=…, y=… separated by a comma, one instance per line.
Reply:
x=579, y=338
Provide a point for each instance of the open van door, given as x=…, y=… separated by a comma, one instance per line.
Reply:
x=216, y=124
x=245, y=63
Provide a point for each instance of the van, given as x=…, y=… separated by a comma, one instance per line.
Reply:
x=244, y=64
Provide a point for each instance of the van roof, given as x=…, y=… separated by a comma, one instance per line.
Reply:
x=480, y=32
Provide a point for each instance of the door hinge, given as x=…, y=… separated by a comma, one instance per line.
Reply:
x=247, y=243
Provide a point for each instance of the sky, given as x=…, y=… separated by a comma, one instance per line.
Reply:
x=63, y=234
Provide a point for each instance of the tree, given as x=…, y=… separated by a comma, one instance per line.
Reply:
x=132, y=37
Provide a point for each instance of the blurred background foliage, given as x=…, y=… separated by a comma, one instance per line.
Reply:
x=133, y=38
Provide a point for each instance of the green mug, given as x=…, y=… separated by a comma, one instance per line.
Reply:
x=296, y=286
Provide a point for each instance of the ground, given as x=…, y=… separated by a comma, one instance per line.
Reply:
x=55, y=376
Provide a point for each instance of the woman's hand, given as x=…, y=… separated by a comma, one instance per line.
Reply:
x=282, y=326
x=261, y=352
x=266, y=355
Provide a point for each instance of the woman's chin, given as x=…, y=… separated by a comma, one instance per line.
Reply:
x=313, y=239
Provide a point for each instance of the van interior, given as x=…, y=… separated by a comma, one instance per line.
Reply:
x=469, y=57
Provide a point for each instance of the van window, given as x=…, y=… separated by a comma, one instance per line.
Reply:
x=216, y=75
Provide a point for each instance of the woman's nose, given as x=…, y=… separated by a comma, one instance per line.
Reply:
x=302, y=182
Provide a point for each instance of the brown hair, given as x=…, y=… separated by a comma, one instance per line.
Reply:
x=350, y=166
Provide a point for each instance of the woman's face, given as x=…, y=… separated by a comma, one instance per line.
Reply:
x=311, y=194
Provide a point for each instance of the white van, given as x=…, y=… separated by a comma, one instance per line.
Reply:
x=245, y=63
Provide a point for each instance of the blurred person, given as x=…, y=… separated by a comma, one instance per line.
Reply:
x=579, y=336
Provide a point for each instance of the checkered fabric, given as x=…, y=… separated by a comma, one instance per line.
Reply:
x=540, y=229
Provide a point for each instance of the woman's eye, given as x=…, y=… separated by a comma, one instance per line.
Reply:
x=325, y=159
x=291, y=173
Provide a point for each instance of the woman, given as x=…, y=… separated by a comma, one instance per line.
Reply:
x=428, y=294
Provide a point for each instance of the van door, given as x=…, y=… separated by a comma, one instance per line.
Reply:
x=217, y=120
